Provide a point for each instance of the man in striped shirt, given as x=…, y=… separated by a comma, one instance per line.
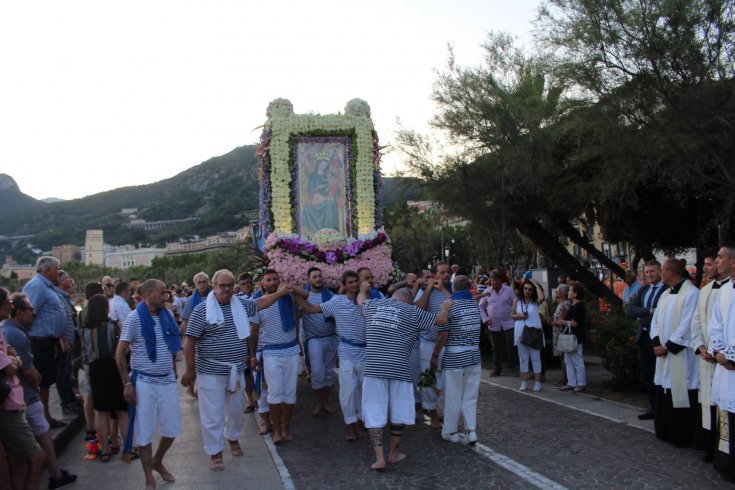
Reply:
x=461, y=362
x=151, y=385
x=216, y=353
x=392, y=326
x=351, y=349
x=320, y=341
x=276, y=329
x=431, y=299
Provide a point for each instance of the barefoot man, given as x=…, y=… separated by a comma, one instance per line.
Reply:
x=351, y=349
x=216, y=351
x=320, y=341
x=392, y=327
x=276, y=329
x=153, y=337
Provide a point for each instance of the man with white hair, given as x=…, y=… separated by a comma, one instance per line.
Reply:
x=392, y=327
x=461, y=361
x=216, y=353
x=201, y=290
x=47, y=330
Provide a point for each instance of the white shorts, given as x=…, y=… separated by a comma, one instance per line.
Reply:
x=157, y=404
x=382, y=396
x=36, y=418
x=281, y=375
x=322, y=358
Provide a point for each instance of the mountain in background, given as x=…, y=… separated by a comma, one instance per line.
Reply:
x=222, y=192
x=12, y=200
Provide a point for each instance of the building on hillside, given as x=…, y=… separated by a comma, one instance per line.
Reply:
x=126, y=256
x=94, y=248
x=141, y=224
x=11, y=268
x=66, y=253
x=212, y=242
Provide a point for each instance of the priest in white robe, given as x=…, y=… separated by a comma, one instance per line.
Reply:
x=722, y=348
x=677, y=373
x=717, y=271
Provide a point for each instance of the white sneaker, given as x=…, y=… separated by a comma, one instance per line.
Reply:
x=472, y=437
x=524, y=386
x=537, y=386
x=451, y=437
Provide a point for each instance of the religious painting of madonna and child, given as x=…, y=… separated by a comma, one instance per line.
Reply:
x=322, y=170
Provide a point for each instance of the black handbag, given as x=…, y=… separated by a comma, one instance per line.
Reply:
x=531, y=337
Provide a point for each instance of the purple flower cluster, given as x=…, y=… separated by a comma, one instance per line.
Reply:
x=310, y=251
x=266, y=198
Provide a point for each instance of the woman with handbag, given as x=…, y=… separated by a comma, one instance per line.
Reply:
x=558, y=321
x=576, y=320
x=100, y=337
x=529, y=337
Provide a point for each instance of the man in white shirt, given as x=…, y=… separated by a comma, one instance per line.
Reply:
x=119, y=307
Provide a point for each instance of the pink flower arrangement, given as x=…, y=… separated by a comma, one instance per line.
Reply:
x=292, y=256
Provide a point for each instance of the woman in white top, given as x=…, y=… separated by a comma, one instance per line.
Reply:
x=525, y=313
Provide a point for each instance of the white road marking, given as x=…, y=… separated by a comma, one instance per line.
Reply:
x=280, y=465
x=521, y=471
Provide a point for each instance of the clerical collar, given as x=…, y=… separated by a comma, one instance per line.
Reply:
x=718, y=284
x=675, y=289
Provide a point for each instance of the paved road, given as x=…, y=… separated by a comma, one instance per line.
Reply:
x=527, y=440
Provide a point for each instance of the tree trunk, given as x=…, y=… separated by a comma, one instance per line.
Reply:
x=554, y=250
x=574, y=235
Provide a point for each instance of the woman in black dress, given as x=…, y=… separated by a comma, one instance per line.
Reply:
x=100, y=336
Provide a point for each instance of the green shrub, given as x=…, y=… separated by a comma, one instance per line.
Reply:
x=615, y=334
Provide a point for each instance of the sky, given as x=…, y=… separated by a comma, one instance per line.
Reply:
x=100, y=95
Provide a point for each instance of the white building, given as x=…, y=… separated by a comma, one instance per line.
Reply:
x=126, y=256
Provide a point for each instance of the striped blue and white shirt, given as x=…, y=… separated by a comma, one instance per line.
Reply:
x=315, y=325
x=219, y=342
x=350, y=326
x=271, y=331
x=139, y=359
x=462, y=345
x=433, y=306
x=392, y=328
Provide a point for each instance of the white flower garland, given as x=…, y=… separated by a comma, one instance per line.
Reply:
x=284, y=123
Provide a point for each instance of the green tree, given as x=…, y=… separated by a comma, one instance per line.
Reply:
x=503, y=115
x=654, y=81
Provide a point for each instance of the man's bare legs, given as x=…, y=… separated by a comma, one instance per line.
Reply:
x=275, y=410
x=376, y=439
x=265, y=423
x=286, y=421
x=435, y=421
x=152, y=462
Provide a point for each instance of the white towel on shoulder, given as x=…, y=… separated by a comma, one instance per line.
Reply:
x=239, y=315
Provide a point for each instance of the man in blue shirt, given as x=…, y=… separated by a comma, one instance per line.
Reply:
x=632, y=287
x=47, y=329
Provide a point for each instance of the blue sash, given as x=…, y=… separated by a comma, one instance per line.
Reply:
x=352, y=342
x=282, y=346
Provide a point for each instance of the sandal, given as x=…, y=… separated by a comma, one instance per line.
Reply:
x=104, y=457
x=235, y=448
x=567, y=388
x=114, y=448
x=249, y=409
x=217, y=465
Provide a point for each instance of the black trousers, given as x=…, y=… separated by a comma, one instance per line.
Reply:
x=647, y=362
x=503, y=342
x=704, y=439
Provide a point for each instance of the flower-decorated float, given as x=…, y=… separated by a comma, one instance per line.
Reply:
x=321, y=193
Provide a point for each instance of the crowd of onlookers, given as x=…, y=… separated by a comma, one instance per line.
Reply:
x=47, y=338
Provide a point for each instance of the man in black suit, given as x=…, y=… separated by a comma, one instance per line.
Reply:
x=642, y=307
